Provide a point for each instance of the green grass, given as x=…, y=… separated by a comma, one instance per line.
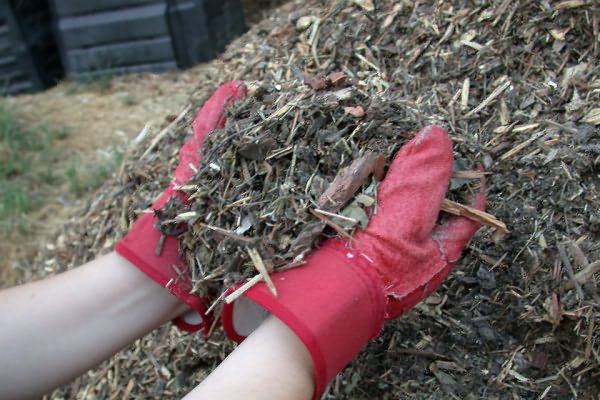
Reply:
x=98, y=80
x=85, y=177
x=31, y=168
x=129, y=100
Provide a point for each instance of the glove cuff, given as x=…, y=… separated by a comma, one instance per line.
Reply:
x=334, y=304
x=138, y=247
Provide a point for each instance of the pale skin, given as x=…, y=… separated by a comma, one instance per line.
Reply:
x=54, y=330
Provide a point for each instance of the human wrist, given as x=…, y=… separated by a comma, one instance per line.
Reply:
x=315, y=301
x=146, y=290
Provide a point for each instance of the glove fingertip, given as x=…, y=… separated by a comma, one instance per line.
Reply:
x=211, y=115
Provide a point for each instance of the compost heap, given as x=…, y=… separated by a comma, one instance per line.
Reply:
x=516, y=84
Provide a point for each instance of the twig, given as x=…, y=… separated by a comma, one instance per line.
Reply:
x=521, y=146
x=159, y=246
x=561, y=126
x=333, y=215
x=569, y=268
x=280, y=153
x=261, y=268
x=424, y=353
x=464, y=96
x=474, y=214
x=469, y=174
x=562, y=374
x=314, y=40
x=225, y=232
x=589, y=338
x=242, y=289
x=489, y=99
x=216, y=302
x=340, y=231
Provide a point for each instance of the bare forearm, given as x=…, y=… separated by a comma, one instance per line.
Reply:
x=272, y=363
x=55, y=329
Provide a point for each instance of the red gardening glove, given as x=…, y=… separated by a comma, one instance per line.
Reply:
x=340, y=298
x=138, y=246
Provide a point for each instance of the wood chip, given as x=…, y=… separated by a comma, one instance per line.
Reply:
x=259, y=264
x=499, y=90
x=239, y=292
x=348, y=181
x=474, y=214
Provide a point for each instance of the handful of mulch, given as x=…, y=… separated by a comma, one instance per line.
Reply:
x=294, y=165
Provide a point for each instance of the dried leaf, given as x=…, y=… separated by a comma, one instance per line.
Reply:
x=390, y=18
x=366, y=5
x=570, y=4
x=305, y=22
x=338, y=78
x=592, y=117
x=570, y=74
x=559, y=34
x=355, y=111
x=355, y=213
x=317, y=82
x=365, y=200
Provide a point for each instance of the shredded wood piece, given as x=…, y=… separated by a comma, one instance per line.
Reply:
x=489, y=99
x=243, y=289
x=521, y=146
x=334, y=215
x=225, y=232
x=482, y=217
x=584, y=275
x=348, y=181
x=340, y=231
x=261, y=268
x=569, y=268
x=216, y=302
x=469, y=174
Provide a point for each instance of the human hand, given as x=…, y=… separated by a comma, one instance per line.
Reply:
x=167, y=268
x=340, y=298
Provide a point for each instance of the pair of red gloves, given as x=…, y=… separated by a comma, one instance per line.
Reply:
x=340, y=298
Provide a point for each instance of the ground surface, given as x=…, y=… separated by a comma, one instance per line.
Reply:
x=516, y=84
x=98, y=118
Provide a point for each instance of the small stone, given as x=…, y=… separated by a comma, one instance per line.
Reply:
x=486, y=278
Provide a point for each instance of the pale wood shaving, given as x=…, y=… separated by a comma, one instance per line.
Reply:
x=474, y=214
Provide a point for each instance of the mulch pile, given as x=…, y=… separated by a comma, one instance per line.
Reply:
x=296, y=163
x=517, y=86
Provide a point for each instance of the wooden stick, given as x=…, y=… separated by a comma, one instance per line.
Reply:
x=333, y=215
x=261, y=268
x=569, y=268
x=217, y=301
x=469, y=174
x=522, y=145
x=242, y=289
x=340, y=231
x=225, y=232
x=489, y=99
x=474, y=214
